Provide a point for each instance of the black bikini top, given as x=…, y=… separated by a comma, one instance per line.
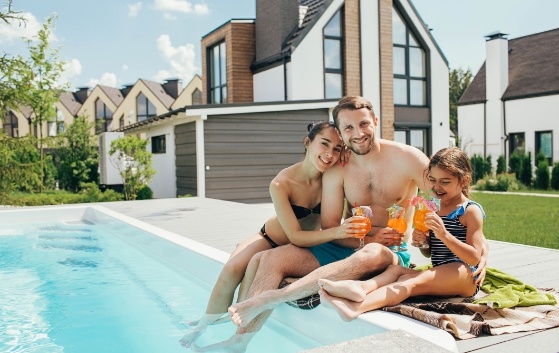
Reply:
x=302, y=212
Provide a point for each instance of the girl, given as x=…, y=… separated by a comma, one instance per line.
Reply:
x=456, y=246
x=296, y=194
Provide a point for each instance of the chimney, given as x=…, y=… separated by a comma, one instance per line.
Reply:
x=126, y=90
x=496, y=82
x=173, y=87
x=275, y=20
x=81, y=94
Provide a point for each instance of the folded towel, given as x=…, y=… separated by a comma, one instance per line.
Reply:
x=505, y=291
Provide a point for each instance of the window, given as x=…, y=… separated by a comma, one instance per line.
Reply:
x=103, y=116
x=333, y=55
x=11, y=125
x=544, y=143
x=196, y=97
x=217, y=78
x=410, y=76
x=121, y=121
x=516, y=143
x=144, y=107
x=413, y=137
x=158, y=144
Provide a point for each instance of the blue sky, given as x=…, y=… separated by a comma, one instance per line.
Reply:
x=115, y=42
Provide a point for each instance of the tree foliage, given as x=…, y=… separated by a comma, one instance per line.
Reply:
x=77, y=156
x=134, y=164
x=18, y=165
x=459, y=80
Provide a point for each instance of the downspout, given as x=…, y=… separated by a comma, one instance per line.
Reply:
x=506, y=136
x=284, y=78
x=485, y=129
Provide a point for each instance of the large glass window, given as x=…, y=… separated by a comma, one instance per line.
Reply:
x=413, y=137
x=517, y=143
x=333, y=57
x=56, y=127
x=11, y=127
x=103, y=116
x=410, y=76
x=544, y=143
x=217, y=78
x=144, y=107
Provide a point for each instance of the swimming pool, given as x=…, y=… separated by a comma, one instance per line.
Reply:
x=155, y=282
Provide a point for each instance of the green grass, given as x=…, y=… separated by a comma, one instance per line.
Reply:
x=530, y=220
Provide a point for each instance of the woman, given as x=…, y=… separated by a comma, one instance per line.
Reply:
x=296, y=194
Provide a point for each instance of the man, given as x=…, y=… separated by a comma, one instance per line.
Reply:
x=379, y=173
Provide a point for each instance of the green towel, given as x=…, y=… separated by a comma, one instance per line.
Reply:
x=505, y=291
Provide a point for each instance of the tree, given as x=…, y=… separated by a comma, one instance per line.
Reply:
x=134, y=163
x=77, y=156
x=18, y=170
x=45, y=69
x=459, y=80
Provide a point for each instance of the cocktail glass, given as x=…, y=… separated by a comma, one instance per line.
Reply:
x=397, y=222
x=422, y=207
x=367, y=213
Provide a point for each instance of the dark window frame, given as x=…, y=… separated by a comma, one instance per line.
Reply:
x=158, y=144
x=537, y=137
x=425, y=130
x=11, y=125
x=341, y=41
x=513, y=148
x=407, y=76
x=103, y=116
x=222, y=85
x=148, y=104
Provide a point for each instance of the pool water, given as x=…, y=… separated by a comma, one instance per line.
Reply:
x=82, y=287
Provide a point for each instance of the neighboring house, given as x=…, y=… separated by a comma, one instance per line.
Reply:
x=512, y=104
x=265, y=79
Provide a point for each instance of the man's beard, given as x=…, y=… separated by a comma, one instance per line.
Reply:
x=364, y=149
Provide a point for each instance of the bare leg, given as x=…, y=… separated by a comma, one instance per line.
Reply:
x=250, y=273
x=372, y=258
x=225, y=286
x=357, y=290
x=235, y=344
x=445, y=280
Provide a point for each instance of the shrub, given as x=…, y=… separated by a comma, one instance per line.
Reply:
x=501, y=182
x=91, y=193
x=515, y=163
x=481, y=167
x=145, y=193
x=501, y=165
x=526, y=170
x=555, y=177
x=542, y=176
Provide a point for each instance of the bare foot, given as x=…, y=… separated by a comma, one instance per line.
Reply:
x=191, y=336
x=345, y=308
x=244, y=312
x=348, y=289
x=197, y=327
x=235, y=344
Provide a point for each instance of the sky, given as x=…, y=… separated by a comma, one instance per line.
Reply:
x=117, y=42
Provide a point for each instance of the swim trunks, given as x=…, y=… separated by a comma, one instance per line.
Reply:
x=267, y=237
x=403, y=256
x=330, y=252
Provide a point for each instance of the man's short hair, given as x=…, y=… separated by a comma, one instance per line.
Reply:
x=351, y=103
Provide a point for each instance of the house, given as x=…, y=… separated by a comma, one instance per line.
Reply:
x=512, y=104
x=264, y=79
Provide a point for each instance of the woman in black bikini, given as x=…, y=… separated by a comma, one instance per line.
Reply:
x=296, y=193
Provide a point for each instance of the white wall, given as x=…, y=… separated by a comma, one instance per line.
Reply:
x=533, y=115
x=370, y=54
x=470, y=128
x=268, y=85
x=164, y=183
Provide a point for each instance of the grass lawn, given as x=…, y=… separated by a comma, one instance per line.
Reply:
x=530, y=220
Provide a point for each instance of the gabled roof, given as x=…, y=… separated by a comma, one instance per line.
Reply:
x=314, y=10
x=114, y=94
x=69, y=100
x=533, y=63
x=159, y=92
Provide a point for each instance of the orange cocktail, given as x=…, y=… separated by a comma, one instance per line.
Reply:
x=363, y=211
x=422, y=206
x=419, y=220
x=397, y=222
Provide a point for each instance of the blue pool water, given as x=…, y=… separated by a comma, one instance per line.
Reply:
x=83, y=288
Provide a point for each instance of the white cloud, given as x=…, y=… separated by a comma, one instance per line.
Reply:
x=169, y=17
x=184, y=6
x=72, y=68
x=180, y=59
x=124, y=67
x=133, y=9
x=15, y=30
x=107, y=79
